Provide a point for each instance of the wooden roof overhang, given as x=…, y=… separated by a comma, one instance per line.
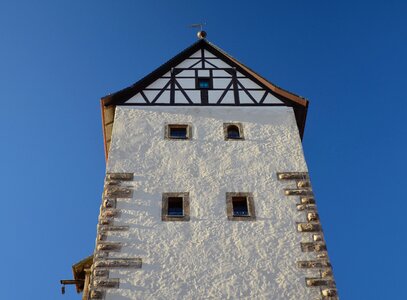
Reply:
x=79, y=272
x=109, y=102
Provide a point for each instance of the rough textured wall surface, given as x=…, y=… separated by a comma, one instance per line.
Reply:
x=208, y=257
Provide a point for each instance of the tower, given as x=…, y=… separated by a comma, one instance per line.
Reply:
x=207, y=193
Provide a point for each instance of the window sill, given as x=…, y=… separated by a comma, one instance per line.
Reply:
x=175, y=218
x=241, y=218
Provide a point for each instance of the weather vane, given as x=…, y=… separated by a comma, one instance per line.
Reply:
x=201, y=34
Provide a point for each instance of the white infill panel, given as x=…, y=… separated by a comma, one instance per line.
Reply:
x=208, y=54
x=180, y=98
x=249, y=84
x=189, y=73
x=137, y=99
x=203, y=73
x=214, y=96
x=257, y=95
x=158, y=84
x=229, y=98
x=221, y=73
x=186, y=83
x=150, y=94
x=221, y=83
x=188, y=63
x=270, y=99
x=197, y=54
x=244, y=98
x=164, y=98
x=195, y=96
x=217, y=63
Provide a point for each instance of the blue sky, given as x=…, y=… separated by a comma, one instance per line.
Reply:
x=57, y=58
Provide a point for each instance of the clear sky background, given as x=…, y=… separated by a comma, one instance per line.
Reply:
x=57, y=58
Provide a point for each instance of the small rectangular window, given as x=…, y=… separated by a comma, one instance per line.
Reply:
x=203, y=83
x=178, y=131
x=175, y=207
x=240, y=207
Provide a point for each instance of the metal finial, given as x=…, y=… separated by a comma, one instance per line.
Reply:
x=201, y=33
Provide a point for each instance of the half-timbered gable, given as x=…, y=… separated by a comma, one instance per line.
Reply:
x=204, y=75
x=225, y=85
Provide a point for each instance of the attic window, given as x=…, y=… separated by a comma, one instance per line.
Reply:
x=204, y=83
x=178, y=131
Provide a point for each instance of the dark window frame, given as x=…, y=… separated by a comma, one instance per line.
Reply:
x=168, y=127
x=250, y=206
x=199, y=79
x=239, y=126
x=185, y=206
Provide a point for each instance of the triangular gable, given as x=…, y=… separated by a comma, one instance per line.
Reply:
x=229, y=87
x=175, y=83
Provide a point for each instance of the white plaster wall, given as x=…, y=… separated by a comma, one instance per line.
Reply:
x=209, y=257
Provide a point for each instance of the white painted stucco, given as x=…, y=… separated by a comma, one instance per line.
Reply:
x=208, y=257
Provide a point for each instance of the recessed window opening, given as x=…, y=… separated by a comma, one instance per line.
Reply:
x=175, y=207
x=240, y=207
x=204, y=83
x=233, y=132
x=178, y=131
